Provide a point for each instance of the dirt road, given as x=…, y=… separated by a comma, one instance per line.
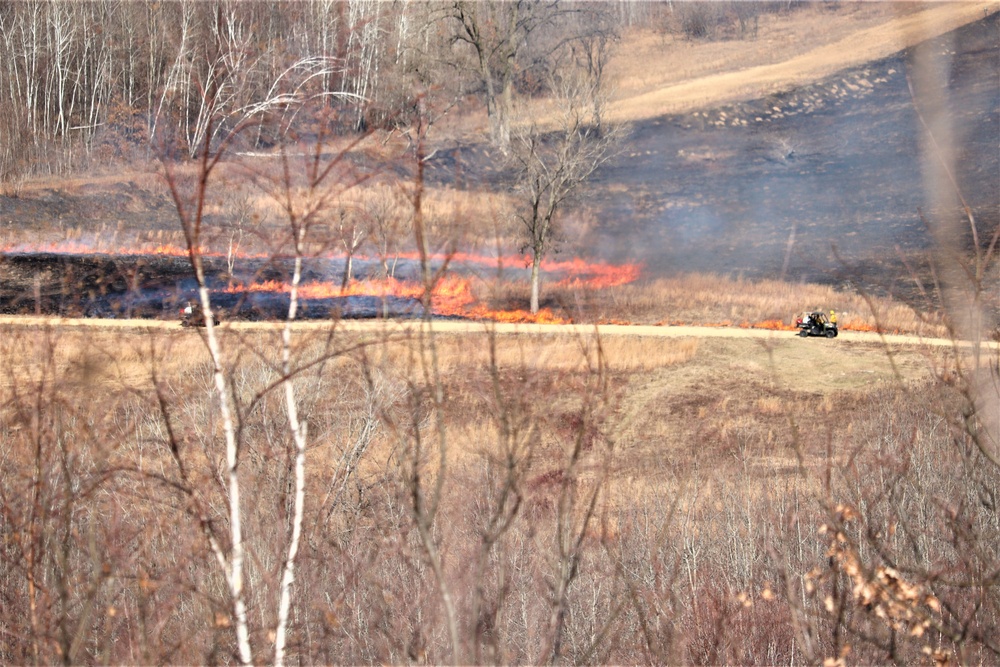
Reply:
x=753, y=82
x=502, y=328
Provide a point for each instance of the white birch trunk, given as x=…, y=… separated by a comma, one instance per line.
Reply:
x=299, y=438
x=234, y=571
x=536, y=262
x=176, y=79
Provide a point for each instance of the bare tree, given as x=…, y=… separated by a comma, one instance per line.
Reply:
x=592, y=49
x=303, y=213
x=190, y=200
x=389, y=225
x=305, y=206
x=498, y=33
x=550, y=167
x=351, y=235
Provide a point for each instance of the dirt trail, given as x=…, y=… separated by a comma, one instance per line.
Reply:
x=400, y=327
x=863, y=46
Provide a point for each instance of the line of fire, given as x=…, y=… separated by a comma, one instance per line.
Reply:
x=75, y=280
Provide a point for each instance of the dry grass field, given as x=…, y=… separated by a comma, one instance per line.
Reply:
x=788, y=52
x=622, y=478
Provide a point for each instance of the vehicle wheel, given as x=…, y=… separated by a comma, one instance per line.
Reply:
x=831, y=333
x=803, y=333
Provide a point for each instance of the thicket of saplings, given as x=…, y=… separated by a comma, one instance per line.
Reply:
x=511, y=505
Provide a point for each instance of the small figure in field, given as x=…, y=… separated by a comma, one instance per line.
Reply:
x=833, y=318
x=192, y=315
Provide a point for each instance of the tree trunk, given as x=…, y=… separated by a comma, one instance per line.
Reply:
x=536, y=262
x=348, y=271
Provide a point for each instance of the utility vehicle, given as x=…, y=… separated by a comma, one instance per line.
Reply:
x=817, y=323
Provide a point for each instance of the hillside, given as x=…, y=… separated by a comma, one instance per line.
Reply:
x=657, y=77
x=805, y=171
x=372, y=453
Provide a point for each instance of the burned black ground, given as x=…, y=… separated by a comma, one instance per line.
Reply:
x=818, y=184
x=156, y=287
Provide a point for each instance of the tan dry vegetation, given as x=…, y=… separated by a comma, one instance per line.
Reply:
x=562, y=352
x=108, y=177
x=94, y=360
x=701, y=443
x=111, y=359
x=710, y=299
x=468, y=219
x=657, y=58
x=436, y=202
x=790, y=50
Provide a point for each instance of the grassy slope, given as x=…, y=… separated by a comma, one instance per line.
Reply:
x=669, y=393
x=656, y=76
x=650, y=70
x=677, y=400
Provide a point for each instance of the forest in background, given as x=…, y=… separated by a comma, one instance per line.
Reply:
x=100, y=82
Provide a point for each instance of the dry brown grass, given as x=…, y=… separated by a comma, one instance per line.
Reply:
x=666, y=393
x=792, y=50
x=561, y=353
x=95, y=360
x=701, y=445
x=710, y=299
x=650, y=58
x=477, y=210
x=113, y=357
x=716, y=430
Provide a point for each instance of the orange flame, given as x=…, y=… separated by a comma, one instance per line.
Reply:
x=772, y=325
x=594, y=276
x=451, y=296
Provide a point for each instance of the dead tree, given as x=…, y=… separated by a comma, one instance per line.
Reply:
x=498, y=33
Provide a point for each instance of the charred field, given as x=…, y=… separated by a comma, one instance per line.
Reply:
x=150, y=286
x=818, y=184
x=157, y=284
x=821, y=184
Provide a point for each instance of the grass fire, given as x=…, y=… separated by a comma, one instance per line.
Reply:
x=245, y=286
x=499, y=333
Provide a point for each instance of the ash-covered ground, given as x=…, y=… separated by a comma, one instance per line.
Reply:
x=820, y=184
x=158, y=287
